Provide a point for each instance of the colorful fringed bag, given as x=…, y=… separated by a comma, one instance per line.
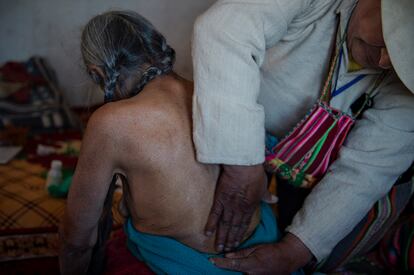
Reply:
x=303, y=157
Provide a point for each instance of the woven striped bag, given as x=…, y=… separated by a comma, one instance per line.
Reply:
x=303, y=157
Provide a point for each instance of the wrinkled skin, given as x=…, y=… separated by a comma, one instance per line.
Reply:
x=278, y=258
x=238, y=194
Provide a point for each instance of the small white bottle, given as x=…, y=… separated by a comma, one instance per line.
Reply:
x=54, y=175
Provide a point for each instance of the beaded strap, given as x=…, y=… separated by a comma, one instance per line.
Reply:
x=325, y=96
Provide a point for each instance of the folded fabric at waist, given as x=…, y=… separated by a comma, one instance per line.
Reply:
x=165, y=255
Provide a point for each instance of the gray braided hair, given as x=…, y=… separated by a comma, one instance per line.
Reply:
x=124, y=44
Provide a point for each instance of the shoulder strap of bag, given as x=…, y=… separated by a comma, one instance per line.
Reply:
x=325, y=95
x=365, y=100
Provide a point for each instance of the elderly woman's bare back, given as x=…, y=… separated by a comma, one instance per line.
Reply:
x=147, y=139
x=171, y=193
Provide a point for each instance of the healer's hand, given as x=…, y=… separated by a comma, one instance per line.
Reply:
x=284, y=257
x=238, y=194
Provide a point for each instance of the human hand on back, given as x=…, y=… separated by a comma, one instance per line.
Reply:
x=284, y=257
x=238, y=194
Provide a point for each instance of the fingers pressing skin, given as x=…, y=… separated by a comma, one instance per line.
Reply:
x=214, y=217
x=244, y=260
x=241, y=264
x=283, y=257
x=244, y=225
x=255, y=260
x=223, y=229
x=244, y=253
x=233, y=232
x=239, y=191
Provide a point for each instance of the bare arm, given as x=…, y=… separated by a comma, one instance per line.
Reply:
x=94, y=171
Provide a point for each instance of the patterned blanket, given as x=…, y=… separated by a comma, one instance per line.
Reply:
x=29, y=217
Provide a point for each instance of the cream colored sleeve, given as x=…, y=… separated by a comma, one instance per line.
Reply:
x=229, y=45
x=377, y=151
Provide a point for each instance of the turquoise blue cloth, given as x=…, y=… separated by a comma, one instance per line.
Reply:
x=167, y=256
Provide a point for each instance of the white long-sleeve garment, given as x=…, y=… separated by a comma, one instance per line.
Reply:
x=260, y=65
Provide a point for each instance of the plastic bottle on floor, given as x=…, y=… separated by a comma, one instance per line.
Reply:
x=54, y=175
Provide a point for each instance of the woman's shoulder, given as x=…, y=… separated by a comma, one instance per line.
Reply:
x=115, y=123
x=142, y=113
x=126, y=111
x=150, y=113
x=106, y=117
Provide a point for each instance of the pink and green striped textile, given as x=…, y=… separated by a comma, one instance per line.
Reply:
x=303, y=157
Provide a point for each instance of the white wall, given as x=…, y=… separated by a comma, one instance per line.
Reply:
x=52, y=29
